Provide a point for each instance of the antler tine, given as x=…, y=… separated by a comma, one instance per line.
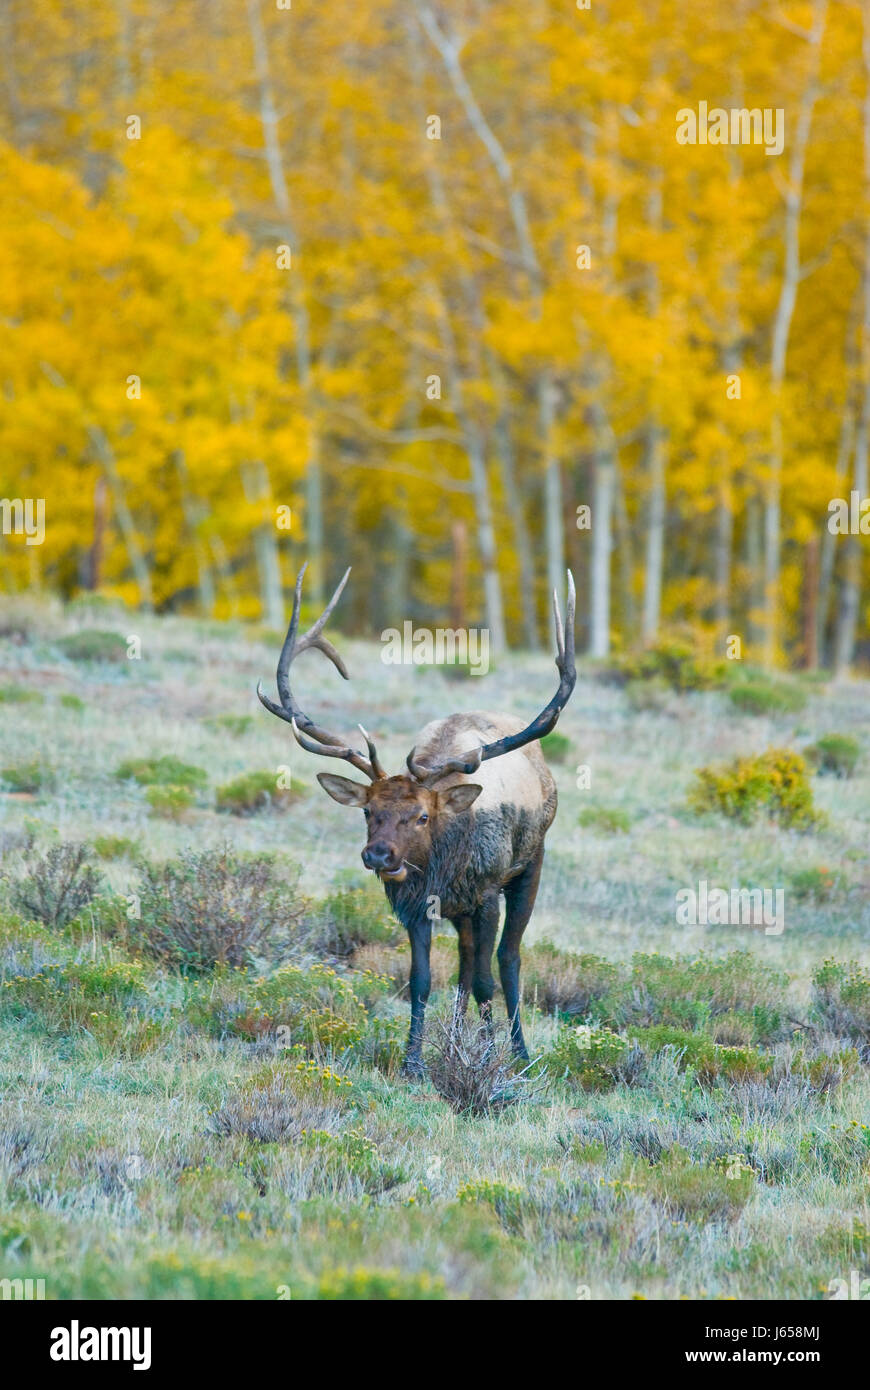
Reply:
x=288, y=647
x=373, y=753
x=565, y=636
x=427, y=775
x=541, y=724
x=307, y=733
x=560, y=633
x=293, y=644
x=570, y=614
x=312, y=636
x=334, y=750
x=416, y=769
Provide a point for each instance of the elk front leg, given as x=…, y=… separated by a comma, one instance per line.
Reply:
x=421, y=939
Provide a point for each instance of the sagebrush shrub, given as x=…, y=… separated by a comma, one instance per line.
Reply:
x=472, y=1066
x=693, y=992
x=562, y=982
x=271, y=1110
x=352, y=918
x=57, y=885
x=213, y=907
x=93, y=644
x=167, y=771
x=21, y=1148
x=761, y=696
x=99, y=996
x=382, y=1045
x=712, y=1062
x=170, y=803
x=257, y=791
x=509, y=1202
x=394, y=962
x=30, y=777
x=835, y=755
x=841, y=999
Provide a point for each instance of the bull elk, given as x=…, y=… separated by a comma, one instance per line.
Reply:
x=437, y=838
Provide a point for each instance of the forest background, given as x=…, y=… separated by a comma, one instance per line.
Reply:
x=408, y=286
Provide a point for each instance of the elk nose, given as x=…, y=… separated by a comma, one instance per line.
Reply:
x=378, y=856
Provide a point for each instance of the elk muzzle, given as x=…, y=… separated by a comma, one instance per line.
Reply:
x=384, y=859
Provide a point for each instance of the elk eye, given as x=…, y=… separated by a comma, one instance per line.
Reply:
x=423, y=819
x=366, y=812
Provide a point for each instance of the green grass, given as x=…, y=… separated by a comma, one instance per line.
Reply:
x=236, y=1133
x=555, y=747
x=19, y=695
x=93, y=645
x=609, y=820
x=256, y=792
x=757, y=695
x=30, y=777
x=836, y=755
x=166, y=771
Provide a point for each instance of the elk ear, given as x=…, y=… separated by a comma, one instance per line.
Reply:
x=343, y=789
x=457, y=799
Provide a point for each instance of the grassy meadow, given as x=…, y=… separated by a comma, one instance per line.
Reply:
x=199, y=1066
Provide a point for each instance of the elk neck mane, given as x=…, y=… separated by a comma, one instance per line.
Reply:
x=476, y=849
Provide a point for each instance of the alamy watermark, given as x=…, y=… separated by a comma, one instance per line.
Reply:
x=849, y=518
x=855, y=1287
x=443, y=646
x=77, y=1343
x=735, y=907
x=736, y=126
x=25, y=1290
x=23, y=516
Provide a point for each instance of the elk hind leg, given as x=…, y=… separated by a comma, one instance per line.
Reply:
x=519, y=897
x=465, y=929
x=485, y=924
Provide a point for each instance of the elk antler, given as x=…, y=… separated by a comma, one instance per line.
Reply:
x=540, y=725
x=305, y=731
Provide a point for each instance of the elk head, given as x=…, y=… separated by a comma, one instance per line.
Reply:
x=404, y=813
x=402, y=818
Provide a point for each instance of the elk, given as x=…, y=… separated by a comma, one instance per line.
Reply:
x=442, y=844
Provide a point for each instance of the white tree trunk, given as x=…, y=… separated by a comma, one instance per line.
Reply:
x=602, y=511
x=791, y=276
x=553, y=527
x=850, y=593
x=655, y=535
x=299, y=308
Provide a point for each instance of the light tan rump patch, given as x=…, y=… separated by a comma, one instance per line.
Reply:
x=521, y=778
